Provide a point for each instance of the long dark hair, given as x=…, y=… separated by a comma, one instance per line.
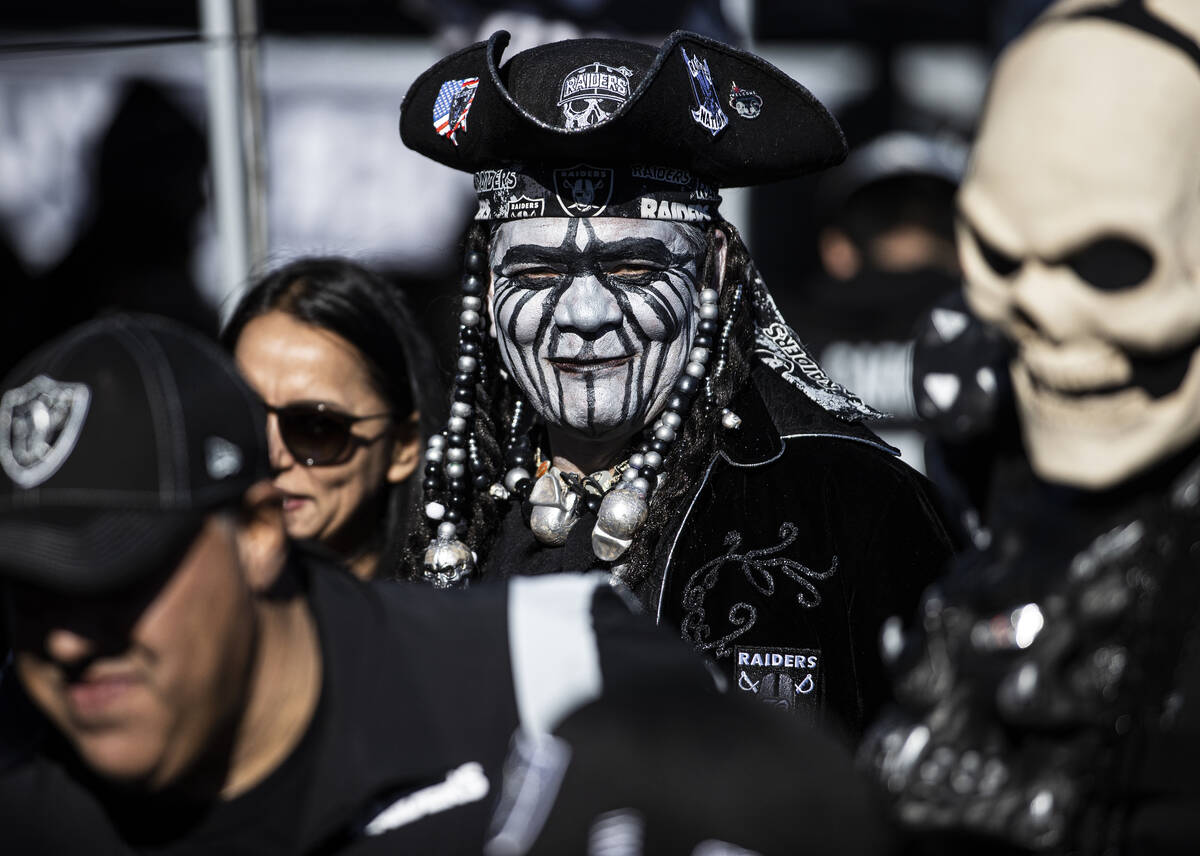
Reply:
x=496, y=396
x=343, y=297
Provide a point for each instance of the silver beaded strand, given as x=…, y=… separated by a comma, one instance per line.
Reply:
x=623, y=509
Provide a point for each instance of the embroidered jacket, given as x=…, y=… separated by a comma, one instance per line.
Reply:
x=805, y=533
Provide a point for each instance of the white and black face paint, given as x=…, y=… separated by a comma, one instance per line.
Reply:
x=595, y=317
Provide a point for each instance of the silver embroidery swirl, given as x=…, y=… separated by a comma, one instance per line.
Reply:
x=759, y=568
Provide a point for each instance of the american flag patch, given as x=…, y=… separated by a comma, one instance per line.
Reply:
x=453, y=102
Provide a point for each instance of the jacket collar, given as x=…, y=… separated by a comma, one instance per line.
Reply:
x=772, y=412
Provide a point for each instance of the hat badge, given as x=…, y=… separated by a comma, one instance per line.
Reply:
x=583, y=190
x=40, y=424
x=746, y=102
x=452, y=105
x=592, y=93
x=708, y=112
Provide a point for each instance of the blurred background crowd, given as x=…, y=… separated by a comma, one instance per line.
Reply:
x=107, y=198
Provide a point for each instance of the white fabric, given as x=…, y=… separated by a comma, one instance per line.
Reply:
x=552, y=642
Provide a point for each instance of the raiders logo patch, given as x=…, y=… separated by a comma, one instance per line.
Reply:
x=592, y=93
x=583, y=190
x=708, y=112
x=40, y=423
x=790, y=678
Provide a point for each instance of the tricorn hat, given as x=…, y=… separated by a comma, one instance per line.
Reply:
x=695, y=104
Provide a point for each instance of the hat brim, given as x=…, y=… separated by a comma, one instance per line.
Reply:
x=792, y=135
x=87, y=552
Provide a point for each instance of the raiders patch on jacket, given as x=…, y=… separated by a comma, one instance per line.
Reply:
x=789, y=678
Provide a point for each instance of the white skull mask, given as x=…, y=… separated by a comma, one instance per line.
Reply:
x=1080, y=239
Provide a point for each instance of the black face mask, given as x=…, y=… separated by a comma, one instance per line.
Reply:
x=873, y=305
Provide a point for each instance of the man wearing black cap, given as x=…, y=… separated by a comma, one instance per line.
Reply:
x=179, y=682
x=630, y=398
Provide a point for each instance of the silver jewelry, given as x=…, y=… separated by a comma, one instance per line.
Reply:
x=555, y=509
x=448, y=561
x=624, y=508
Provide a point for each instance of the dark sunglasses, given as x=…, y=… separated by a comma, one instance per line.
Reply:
x=319, y=436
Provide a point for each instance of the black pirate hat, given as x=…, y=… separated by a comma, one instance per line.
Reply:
x=694, y=104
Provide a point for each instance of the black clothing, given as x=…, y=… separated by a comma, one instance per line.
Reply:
x=1048, y=692
x=516, y=551
x=681, y=776
x=803, y=535
x=422, y=691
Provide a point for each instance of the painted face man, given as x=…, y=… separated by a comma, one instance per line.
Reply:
x=1057, y=660
x=628, y=396
x=595, y=318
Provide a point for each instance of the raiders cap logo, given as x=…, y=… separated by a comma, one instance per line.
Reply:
x=40, y=424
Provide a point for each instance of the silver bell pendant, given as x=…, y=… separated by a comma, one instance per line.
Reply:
x=555, y=510
x=448, y=561
x=622, y=512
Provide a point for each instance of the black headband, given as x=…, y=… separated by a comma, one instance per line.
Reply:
x=584, y=190
x=1133, y=13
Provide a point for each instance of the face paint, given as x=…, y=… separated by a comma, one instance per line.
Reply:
x=595, y=317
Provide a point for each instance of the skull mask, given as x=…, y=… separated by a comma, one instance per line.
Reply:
x=1080, y=239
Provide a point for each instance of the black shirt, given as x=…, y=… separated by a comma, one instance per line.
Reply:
x=517, y=551
x=422, y=692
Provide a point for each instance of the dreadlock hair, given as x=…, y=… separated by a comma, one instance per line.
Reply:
x=502, y=418
x=698, y=437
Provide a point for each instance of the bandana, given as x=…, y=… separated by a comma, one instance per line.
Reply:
x=639, y=192
x=778, y=347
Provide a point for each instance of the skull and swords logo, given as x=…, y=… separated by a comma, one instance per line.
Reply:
x=592, y=93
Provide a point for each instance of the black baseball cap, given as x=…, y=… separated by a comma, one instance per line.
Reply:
x=116, y=441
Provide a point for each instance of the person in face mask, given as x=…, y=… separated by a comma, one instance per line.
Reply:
x=1048, y=687
x=628, y=395
x=887, y=253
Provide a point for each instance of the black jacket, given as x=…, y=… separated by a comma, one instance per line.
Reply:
x=804, y=534
x=422, y=692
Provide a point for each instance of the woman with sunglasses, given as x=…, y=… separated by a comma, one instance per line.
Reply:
x=332, y=350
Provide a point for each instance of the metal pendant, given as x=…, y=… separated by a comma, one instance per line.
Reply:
x=448, y=561
x=622, y=512
x=555, y=510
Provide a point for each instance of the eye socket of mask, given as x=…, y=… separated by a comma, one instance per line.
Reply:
x=1109, y=263
x=1002, y=264
x=1112, y=263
